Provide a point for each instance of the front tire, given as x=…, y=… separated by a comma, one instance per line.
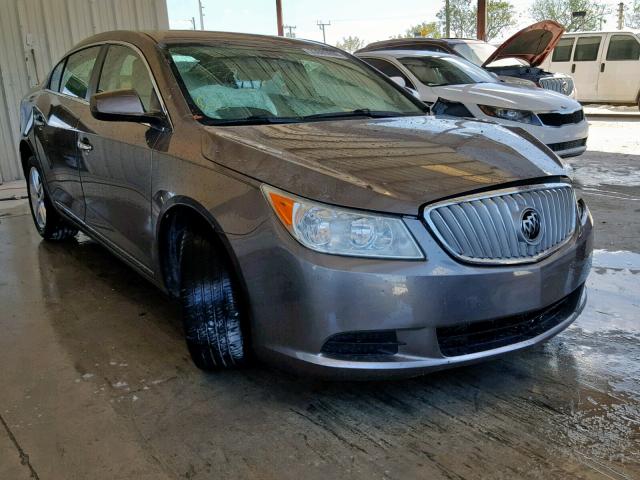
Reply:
x=210, y=301
x=48, y=222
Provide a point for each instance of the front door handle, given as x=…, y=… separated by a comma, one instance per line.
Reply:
x=573, y=68
x=85, y=146
x=602, y=67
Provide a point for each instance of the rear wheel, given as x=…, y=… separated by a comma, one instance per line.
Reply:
x=210, y=301
x=50, y=225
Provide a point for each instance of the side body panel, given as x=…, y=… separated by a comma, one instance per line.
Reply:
x=55, y=137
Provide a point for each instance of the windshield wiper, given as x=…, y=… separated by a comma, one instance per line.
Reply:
x=360, y=112
x=255, y=120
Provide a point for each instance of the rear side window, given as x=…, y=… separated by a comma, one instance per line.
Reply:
x=124, y=69
x=389, y=69
x=587, y=49
x=77, y=73
x=562, y=52
x=623, y=47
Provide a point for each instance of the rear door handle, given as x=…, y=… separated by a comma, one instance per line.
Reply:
x=573, y=68
x=84, y=145
x=602, y=67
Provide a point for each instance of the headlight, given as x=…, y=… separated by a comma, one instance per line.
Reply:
x=339, y=231
x=522, y=116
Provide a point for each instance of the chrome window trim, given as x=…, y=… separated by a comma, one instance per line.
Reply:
x=137, y=50
x=426, y=216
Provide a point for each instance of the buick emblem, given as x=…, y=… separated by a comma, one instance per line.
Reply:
x=531, y=226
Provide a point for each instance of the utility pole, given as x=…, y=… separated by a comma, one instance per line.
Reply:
x=481, y=26
x=447, y=20
x=193, y=22
x=620, y=16
x=322, y=26
x=279, y=18
x=290, y=33
x=201, y=10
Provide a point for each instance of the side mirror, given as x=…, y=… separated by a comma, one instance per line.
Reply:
x=122, y=106
x=413, y=92
x=399, y=81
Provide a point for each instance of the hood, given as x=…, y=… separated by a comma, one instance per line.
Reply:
x=531, y=44
x=503, y=95
x=391, y=165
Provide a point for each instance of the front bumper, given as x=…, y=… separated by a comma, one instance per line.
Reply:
x=566, y=141
x=299, y=299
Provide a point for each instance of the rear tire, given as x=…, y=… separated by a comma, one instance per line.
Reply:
x=50, y=225
x=210, y=305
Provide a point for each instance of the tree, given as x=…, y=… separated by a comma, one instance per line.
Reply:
x=633, y=15
x=501, y=14
x=562, y=12
x=350, y=44
x=424, y=29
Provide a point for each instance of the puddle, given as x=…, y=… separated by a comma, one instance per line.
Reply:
x=596, y=176
x=606, y=337
x=614, y=293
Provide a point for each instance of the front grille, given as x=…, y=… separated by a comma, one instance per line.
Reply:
x=490, y=334
x=516, y=225
x=362, y=344
x=562, y=85
x=560, y=119
x=558, y=147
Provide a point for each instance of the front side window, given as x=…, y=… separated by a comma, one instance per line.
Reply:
x=587, y=49
x=389, y=69
x=623, y=47
x=77, y=72
x=439, y=71
x=236, y=82
x=562, y=52
x=124, y=69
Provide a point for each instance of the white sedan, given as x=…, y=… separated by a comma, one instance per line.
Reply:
x=455, y=87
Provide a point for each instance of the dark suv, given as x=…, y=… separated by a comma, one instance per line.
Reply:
x=516, y=61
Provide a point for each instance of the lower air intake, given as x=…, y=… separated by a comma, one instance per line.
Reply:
x=362, y=344
x=491, y=334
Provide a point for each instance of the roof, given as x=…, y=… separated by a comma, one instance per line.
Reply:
x=405, y=53
x=602, y=32
x=202, y=36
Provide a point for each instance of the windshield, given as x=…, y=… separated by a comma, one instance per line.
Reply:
x=478, y=53
x=232, y=83
x=439, y=71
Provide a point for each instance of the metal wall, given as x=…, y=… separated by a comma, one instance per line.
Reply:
x=34, y=34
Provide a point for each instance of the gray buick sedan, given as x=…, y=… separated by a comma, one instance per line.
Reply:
x=303, y=208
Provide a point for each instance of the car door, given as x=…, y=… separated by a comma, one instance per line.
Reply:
x=619, y=79
x=560, y=59
x=390, y=69
x=116, y=159
x=585, y=67
x=55, y=119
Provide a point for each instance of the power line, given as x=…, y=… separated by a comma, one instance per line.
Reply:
x=322, y=27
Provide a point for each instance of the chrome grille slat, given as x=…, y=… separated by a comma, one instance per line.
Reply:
x=487, y=228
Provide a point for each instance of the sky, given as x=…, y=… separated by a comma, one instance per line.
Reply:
x=370, y=20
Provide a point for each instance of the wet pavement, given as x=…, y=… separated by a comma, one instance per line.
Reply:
x=96, y=381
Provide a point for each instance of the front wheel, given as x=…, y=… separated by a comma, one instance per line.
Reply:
x=49, y=223
x=211, y=307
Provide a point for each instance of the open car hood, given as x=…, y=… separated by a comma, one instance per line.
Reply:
x=531, y=44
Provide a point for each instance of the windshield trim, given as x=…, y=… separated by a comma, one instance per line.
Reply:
x=202, y=118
